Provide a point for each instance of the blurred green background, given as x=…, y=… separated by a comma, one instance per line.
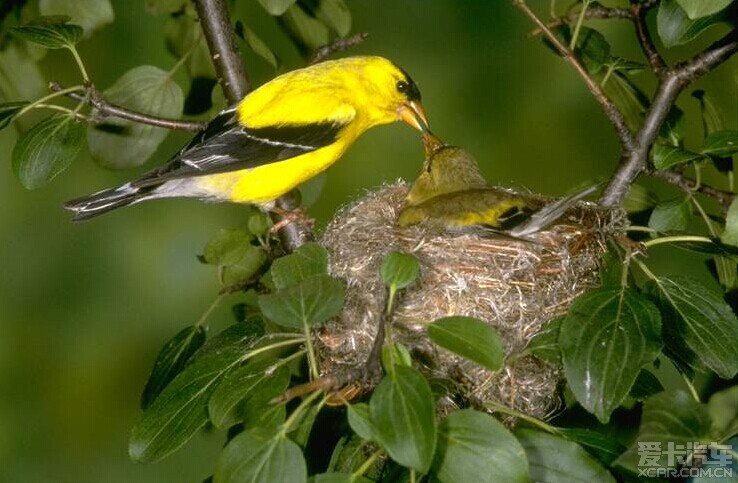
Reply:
x=85, y=308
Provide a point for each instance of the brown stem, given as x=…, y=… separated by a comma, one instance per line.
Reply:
x=338, y=45
x=612, y=112
x=725, y=198
x=648, y=46
x=106, y=109
x=593, y=12
x=227, y=60
x=673, y=82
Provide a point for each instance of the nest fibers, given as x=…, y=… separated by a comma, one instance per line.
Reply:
x=513, y=286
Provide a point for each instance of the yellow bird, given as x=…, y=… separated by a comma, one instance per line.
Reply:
x=279, y=136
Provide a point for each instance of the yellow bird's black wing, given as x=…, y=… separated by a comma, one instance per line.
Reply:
x=226, y=145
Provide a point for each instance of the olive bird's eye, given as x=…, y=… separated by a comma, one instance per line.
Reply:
x=402, y=86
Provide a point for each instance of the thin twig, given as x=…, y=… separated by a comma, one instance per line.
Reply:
x=338, y=45
x=725, y=198
x=673, y=82
x=227, y=60
x=593, y=12
x=648, y=46
x=612, y=112
x=106, y=109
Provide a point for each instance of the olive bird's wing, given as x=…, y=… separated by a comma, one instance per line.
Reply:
x=226, y=145
x=551, y=212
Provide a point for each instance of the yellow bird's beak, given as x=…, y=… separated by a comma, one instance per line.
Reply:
x=413, y=114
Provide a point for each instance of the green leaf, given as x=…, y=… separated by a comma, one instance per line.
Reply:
x=237, y=385
x=246, y=267
x=165, y=6
x=276, y=7
x=672, y=130
x=257, y=410
x=666, y=156
x=394, y=353
x=259, y=47
x=307, y=261
x=51, y=32
x=183, y=37
x=671, y=216
x=545, y=344
x=47, y=150
x=171, y=360
x=226, y=247
x=608, y=335
x=627, y=66
x=712, y=119
x=638, y=199
x=723, y=410
x=88, y=14
x=730, y=234
x=721, y=144
x=304, y=428
x=307, y=32
x=645, y=386
x=605, y=448
x=22, y=77
x=611, y=269
x=309, y=303
x=350, y=453
x=118, y=143
x=259, y=223
x=338, y=478
x=676, y=28
x=702, y=8
x=556, y=460
x=335, y=14
x=399, y=270
x=671, y=416
x=181, y=408
x=404, y=417
x=361, y=422
x=712, y=246
x=470, y=338
x=8, y=110
x=474, y=446
x=629, y=98
x=593, y=49
x=257, y=457
x=700, y=329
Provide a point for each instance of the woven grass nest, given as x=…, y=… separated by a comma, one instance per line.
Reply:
x=514, y=286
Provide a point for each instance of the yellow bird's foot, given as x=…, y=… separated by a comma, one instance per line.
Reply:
x=298, y=216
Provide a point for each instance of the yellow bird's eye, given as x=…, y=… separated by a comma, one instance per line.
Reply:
x=402, y=86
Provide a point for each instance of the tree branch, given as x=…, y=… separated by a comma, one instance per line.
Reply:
x=655, y=60
x=612, y=112
x=725, y=198
x=634, y=158
x=673, y=82
x=594, y=12
x=106, y=109
x=338, y=45
x=227, y=60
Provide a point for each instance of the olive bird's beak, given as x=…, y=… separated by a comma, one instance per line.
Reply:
x=413, y=114
x=432, y=143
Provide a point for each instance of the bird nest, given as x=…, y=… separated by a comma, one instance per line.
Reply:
x=514, y=286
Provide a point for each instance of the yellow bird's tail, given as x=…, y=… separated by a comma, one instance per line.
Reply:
x=106, y=200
